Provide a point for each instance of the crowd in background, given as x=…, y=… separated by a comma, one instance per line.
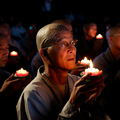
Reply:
x=24, y=28
x=21, y=29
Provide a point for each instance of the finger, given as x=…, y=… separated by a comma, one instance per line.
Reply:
x=90, y=88
x=94, y=94
x=83, y=79
x=78, y=62
x=11, y=77
x=18, y=80
x=91, y=98
x=97, y=81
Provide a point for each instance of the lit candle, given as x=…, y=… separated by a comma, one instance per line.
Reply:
x=21, y=73
x=99, y=36
x=85, y=61
x=94, y=71
x=14, y=53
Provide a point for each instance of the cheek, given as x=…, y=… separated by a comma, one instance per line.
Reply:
x=116, y=42
x=59, y=57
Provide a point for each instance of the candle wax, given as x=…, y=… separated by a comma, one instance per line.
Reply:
x=21, y=73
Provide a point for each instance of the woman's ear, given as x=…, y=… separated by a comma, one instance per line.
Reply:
x=43, y=54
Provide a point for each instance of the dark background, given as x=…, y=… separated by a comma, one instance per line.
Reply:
x=30, y=11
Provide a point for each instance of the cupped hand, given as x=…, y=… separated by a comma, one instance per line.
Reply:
x=11, y=85
x=85, y=91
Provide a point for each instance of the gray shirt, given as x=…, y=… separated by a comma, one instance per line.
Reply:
x=41, y=100
x=111, y=72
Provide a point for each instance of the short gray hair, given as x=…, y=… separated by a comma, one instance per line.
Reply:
x=48, y=34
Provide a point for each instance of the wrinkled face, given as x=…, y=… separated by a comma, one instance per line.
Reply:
x=115, y=41
x=63, y=58
x=4, y=51
x=92, y=31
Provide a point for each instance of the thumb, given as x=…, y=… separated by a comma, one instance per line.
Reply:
x=78, y=63
x=11, y=77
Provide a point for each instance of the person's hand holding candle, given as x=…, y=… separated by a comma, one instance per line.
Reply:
x=21, y=73
x=94, y=82
x=90, y=90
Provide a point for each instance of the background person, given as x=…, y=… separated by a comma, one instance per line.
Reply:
x=88, y=45
x=109, y=62
x=10, y=87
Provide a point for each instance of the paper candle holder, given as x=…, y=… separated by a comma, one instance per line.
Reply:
x=85, y=62
x=21, y=73
x=94, y=71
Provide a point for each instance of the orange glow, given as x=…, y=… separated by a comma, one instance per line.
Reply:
x=85, y=61
x=94, y=71
x=21, y=73
x=14, y=53
x=99, y=36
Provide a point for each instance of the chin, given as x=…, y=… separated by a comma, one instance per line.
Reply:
x=71, y=67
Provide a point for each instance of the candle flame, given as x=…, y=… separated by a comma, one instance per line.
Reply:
x=85, y=58
x=99, y=36
x=13, y=53
x=21, y=69
x=91, y=64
